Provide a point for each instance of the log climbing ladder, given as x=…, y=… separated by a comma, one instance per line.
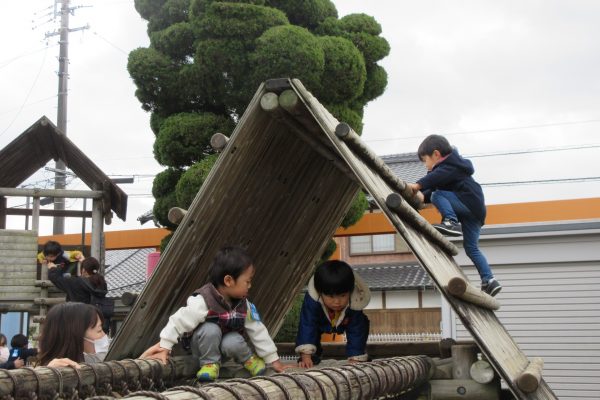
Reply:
x=474, y=308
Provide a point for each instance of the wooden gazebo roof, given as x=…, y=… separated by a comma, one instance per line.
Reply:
x=42, y=142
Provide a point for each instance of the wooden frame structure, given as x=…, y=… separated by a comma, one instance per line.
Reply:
x=280, y=188
x=23, y=290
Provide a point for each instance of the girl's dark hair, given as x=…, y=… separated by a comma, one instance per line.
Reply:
x=92, y=266
x=334, y=277
x=432, y=143
x=19, y=341
x=230, y=260
x=64, y=329
x=52, y=248
x=3, y=339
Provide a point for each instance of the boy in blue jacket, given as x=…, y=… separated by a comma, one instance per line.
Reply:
x=333, y=303
x=450, y=186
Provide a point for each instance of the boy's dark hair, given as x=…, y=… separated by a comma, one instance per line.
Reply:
x=334, y=277
x=432, y=143
x=52, y=248
x=19, y=341
x=230, y=260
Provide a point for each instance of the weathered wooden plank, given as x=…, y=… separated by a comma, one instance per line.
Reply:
x=265, y=192
x=492, y=338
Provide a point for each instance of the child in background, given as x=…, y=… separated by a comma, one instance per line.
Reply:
x=450, y=186
x=19, y=348
x=217, y=315
x=333, y=303
x=53, y=253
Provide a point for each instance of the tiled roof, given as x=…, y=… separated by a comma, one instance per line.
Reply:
x=394, y=276
x=126, y=270
x=406, y=166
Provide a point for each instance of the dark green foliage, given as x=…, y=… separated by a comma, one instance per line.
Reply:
x=199, y=7
x=373, y=48
x=360, y=23
x=329, y=250
x=161, y=208
x=148, y=8
x=207, y=57
x=306, y=13
x=171, y=12
x=344, y=72
x=184, y=138
x=375, y=84
x=356, y=211
x=289, y=328
x=155, y=121
x=288, y=51
x=344, y=113
x=165, y=241
x=155, y=76
x=192, y=179
x=330, y=26
x=165, y=182
x=176, y=41
x=240, y=21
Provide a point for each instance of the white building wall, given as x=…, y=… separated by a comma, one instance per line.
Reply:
x=402, y=299
x=376, y=301
x=432, y=298
x=550, y=303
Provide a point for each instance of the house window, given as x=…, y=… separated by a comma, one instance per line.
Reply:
x=370, y=244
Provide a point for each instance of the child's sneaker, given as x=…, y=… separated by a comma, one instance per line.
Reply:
x=449, y=227
x=208, y=373
x=491, y=287
x=255, y=365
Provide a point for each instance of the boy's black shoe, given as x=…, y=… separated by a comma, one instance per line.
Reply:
x=492, y=287
x=449, y=227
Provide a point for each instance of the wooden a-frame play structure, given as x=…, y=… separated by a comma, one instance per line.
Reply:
x=280, y=188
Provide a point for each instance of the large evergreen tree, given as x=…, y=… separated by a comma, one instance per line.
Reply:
x=206, y=59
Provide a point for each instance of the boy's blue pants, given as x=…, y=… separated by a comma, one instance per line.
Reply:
x=450, y=206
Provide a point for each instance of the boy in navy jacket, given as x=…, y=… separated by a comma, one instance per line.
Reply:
x=333, y=303
x=450, y=186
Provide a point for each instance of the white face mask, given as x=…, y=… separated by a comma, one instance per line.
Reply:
x=100, y=345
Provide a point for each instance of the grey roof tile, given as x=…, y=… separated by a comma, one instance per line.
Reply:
x=394, y=276
x=406, y=166
x=126, y=270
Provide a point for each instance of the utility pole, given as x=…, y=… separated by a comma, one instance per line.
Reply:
x=61, y=118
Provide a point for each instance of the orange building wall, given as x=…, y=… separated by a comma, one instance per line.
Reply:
x=377, y=223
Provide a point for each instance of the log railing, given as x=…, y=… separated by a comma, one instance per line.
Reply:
x=145, y=378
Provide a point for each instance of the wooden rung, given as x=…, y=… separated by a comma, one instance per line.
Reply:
x=459, y=287
x=38, y=319
x=176, y=214
x=49, y=301
x=43, y=283
x=529, y=380
x=218, y=141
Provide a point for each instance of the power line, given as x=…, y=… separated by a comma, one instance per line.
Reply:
x=544, y=181
x=491, y=130
x=28, y=94
x=530, y=151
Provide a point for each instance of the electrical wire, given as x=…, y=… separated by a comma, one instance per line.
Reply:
x=28, y=93
x=490, y=130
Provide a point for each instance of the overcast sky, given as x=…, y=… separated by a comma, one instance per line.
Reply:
x=493, y=76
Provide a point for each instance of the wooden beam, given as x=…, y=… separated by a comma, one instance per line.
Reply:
x=218, y=141
x=77, y=194
x=459, y=287
x=375, y=350
x=50, y=213
x=529, y=380
x=351, y=138
x=3, y=210
x=397, y=203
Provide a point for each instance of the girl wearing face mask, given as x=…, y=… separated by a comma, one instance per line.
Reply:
x=72, y=333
